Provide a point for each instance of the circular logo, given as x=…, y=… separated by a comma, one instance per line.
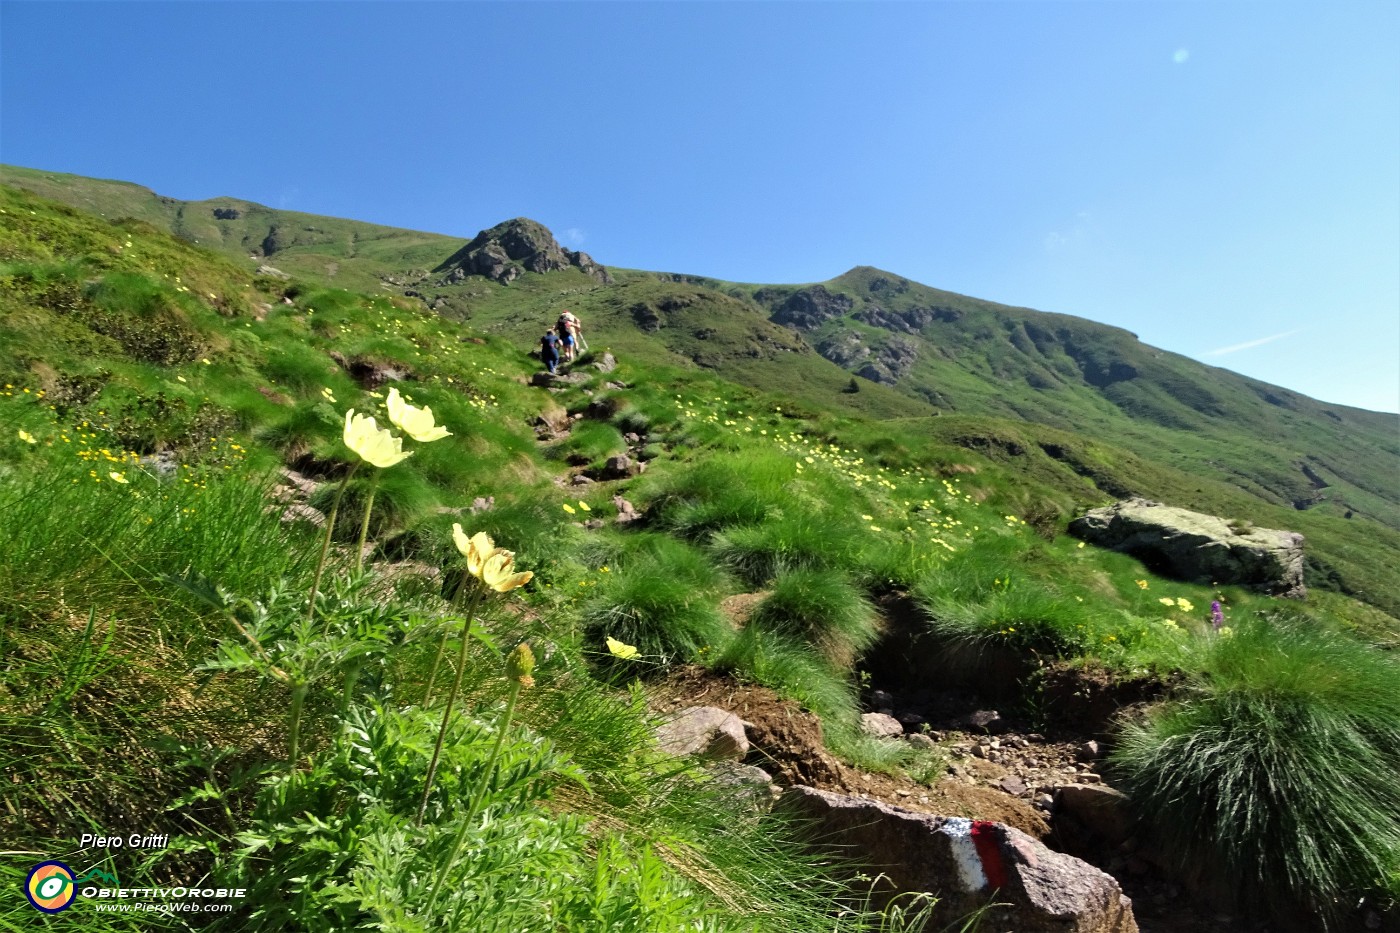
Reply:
x=50, y=887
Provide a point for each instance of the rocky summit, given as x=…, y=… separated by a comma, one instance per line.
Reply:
x=509, y=249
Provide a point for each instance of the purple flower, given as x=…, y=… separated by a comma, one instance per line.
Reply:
x=1217, y=615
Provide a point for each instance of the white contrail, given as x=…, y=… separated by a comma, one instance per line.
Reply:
x=1253, y=343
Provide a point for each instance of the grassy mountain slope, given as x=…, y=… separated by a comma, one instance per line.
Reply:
x=176, y=662
x=1084, y=410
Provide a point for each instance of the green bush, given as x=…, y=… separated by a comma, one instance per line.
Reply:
x=799, y=540
x=821, y=608
x=1276, y=775
x=662, y=601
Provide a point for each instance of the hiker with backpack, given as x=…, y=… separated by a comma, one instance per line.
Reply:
x=571, y=330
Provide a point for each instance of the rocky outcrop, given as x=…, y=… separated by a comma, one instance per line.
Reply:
x=1198, y=548
x=510, y=249
x=810, y=307
x=968, y=864
x=891, y=362
x=908, y=321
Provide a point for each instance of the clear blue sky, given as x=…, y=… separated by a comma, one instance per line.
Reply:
x=1223, y=179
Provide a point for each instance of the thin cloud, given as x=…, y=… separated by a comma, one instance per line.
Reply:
x=575, y=236
x=1250, y=344
x=1181, y=56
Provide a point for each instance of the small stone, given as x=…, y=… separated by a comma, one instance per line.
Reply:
x=1088, y=777
x=879, y=724
x=1089, y=751
x=1045, y=802
x=922, y=741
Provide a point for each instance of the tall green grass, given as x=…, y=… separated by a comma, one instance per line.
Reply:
x=1275, y=777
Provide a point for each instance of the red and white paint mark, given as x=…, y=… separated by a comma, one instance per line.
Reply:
x=976, y=852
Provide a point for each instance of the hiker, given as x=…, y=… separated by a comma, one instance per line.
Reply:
x=567, y=341
x=570, y=327
x=549, y=351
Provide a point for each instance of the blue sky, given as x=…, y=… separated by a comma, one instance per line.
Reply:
x=1220, y=178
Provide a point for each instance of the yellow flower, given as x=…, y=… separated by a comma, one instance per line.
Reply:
x=499, y=572
x=584, y=505
x=27, y=437
x=1081, y=543
x=416, y=422
x=868, y=518
x=1142, y=584
x=475, y=549
x=620, y=650
x=570, y=509
x=1184, y=604
x=117, y=477
x=372, y=443
x=328, y=395
x=1167, y=601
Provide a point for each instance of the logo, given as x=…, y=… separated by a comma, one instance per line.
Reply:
x=51, y=887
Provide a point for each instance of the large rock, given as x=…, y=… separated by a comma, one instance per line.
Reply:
x=704, y=730
x=1196, y=547
x=968, y=864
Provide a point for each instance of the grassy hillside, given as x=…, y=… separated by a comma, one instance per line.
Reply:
x=1084, y=411
x=337, y=716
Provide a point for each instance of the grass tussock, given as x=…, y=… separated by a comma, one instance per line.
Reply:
x=1275, y=776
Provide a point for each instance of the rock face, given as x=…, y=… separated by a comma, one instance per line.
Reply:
x=1198, y=548
x=517, y=246
x=810, y=307
x=969, y=864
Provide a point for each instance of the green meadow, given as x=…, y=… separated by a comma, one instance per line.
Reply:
x=379, y=724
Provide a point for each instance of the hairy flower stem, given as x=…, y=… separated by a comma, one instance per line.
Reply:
x=364, y=525
x=477, y=793
x=478, y=593
x=464, y=586
x=294, y=723
x=326, y=543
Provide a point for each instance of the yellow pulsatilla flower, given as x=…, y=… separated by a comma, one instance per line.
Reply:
x=118, y=477
x=475, y=549
x=620, y=649
x=373, y=444
x=27, y=437
x=1184, y=604
x=1167, y=601
x=416, y=422
x=499, y=574
x=1141, y=584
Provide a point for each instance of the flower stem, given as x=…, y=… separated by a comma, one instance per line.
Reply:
x=326, y=543
x=477, y=792
x=477, y=595
x=364, y=524
x=442, y=645
x=294, y=728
